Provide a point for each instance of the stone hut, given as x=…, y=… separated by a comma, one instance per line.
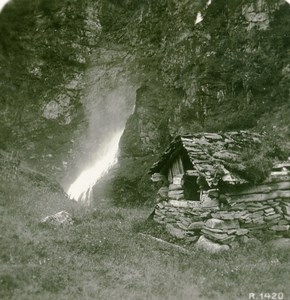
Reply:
x=202, y=199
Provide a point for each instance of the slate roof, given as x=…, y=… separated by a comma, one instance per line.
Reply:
x=211, y=154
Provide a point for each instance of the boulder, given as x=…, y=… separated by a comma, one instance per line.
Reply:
x=206, y=245
x=60, y=218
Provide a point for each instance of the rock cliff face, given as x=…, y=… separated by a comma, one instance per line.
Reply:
x=226, y=72
x=198, y=66
x=45, y=46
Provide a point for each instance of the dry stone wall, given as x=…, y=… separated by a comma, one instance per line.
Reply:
x=226, y=217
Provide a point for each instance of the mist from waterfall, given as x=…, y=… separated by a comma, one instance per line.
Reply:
x=108, y=101
x=81, y=189
x=3, y=3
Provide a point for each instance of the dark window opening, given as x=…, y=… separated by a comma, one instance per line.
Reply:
x=191, y=188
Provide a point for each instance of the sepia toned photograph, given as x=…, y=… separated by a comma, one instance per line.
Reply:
x=145, y=149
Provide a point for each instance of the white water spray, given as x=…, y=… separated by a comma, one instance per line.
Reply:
x=3, y=3
x=81, y=189
x=199, y=16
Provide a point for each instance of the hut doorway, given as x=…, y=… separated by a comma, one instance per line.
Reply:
x=191, y=188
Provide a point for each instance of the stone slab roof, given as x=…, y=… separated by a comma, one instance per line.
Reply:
x=210, y=154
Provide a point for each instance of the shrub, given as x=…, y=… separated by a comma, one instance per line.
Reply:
x=257, y=161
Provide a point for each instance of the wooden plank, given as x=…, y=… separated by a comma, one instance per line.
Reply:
x=180, y=163
x=170, y=176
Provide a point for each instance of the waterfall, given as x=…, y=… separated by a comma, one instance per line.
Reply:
x=108, y=99
x=199, y=16
x=3, y=3
x=81, y=189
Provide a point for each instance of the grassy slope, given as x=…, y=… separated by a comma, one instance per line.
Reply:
x=103, y=257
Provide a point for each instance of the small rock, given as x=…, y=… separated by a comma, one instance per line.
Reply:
x=60, y=218
x=222, y=238
x=178, y=204
x=191, y=239
x=178, y=179
x=169, y=220
x=178, y=233
x=207, y=201
x=286, y=210
x=156, y=177
x=158, y=220
x=174, y=187
x=158, y=212
x=160, y=205
x=176, y=195
x=196, y=226
x=205, y=244
x=242, y=232
x=182, y=226
x=185, y=221
x=163, y=192
x=273, y=217
x=283, y=222
x=221, y=224
x=280, y=227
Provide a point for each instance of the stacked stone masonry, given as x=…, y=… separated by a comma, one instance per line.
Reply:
x=228, y=214
x=265, y=207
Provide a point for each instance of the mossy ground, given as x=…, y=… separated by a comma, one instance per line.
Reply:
x=102, y=256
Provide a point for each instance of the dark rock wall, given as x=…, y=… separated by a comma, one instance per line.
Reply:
x=44, y=51
x=227, y=72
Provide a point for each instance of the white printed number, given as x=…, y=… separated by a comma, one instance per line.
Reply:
x=266, y=296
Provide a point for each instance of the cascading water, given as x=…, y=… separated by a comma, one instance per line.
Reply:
x=81, y=189
x=107, y=101
x=3, y=3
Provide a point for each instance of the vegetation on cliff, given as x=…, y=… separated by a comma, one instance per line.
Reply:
x=227, y=72
x=44, y=49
